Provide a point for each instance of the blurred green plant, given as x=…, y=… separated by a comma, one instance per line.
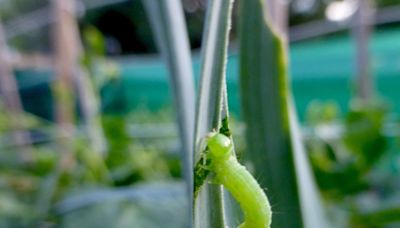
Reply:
x=343, y=157
x=346, y=154
x=30, y=193
x=101, y=70
x=128, y=162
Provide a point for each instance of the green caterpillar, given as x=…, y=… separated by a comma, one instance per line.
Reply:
x=239, y=182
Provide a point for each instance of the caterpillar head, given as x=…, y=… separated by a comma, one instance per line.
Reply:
x=219, y=145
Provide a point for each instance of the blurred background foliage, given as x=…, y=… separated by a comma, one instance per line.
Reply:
x=354, y=151
x=355, y=159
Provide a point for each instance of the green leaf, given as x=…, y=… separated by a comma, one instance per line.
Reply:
x=168, y=24
x=377, y=218
x=208, y=208
x=94, y=40
x=274, y=146
x=363, y=134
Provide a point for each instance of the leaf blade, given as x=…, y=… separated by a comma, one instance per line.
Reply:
x=274, y=145
x=208, y=210
x=168, y=24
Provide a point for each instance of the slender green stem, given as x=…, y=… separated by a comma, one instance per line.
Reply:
x=208, y=208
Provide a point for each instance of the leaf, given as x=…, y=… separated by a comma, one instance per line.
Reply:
x=168, y=24
x=363, y=134
x=208, y=208
x=377, y=218
x=94, y=41
x=274, y=146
